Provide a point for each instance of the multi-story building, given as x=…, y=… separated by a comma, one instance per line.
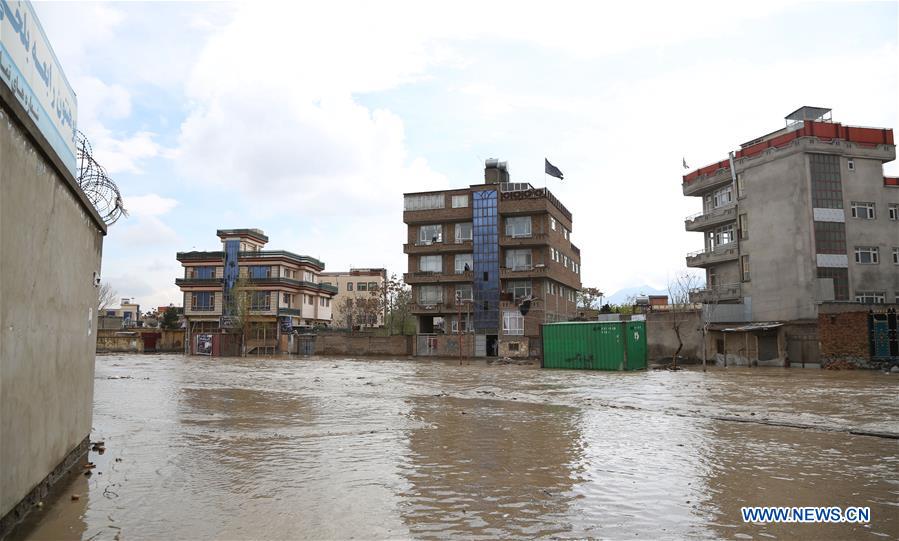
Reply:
x=357, y=301
x=794, y=218
x=479, y=255
x=128, y=310
x=285, y=290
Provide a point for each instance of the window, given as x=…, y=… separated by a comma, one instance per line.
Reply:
x=260, y=272
x=518, y=259
x=721, y=235
x=426, y=263
x=349, y=286
x=712, y=277
x=260, y=300
x=308, y=299
x=430, y=234
x=423, y=202
x=513, y=323
x=719, y=198
x=840, y=279
x=863, y=210
x=203, y=273
x=744, y=226
x=513, y=346
x=463, y=292
x=740, y=190
x=362, y=286
x=850, y=164
x=894, y=212
x=308, y=276
x=463, y=263
x=552, y=223
x=550, y=288
x=202, y=301
x=460, y=201
x=744, y=267
x=552, y=254
x=565, y=233
x=518, y=226
x=565, y=261
x=454, y=324
x=373, y=286
x=520, y=289
x=430, y=294
x=827, y=188
x=287, y=297
x=463, y=231
x=867, y=255
x=830, y=238
x=321, y=301
x=895, y=256
x=870, y=297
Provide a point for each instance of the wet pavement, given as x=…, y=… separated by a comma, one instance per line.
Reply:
x=325, y=448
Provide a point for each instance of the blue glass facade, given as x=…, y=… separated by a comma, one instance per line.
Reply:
x=232, y=248
x=485, y=243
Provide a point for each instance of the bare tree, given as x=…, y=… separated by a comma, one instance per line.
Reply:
x=679, y=298
x=105, y=295
x=393, y=298
x=589, y=297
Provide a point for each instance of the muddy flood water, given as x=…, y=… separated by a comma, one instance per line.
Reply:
x=325, y=448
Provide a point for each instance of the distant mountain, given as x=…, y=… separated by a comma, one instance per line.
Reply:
x=621, y=296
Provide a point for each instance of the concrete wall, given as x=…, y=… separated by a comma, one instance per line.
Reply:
x=51, y=243
x=661, y=340
x=340, y=343
x=110, y=341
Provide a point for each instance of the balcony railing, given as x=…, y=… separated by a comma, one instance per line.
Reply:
x=724, y=252
x=182, y=282
x=713, y=294
x=434, y=277
x=710, y=218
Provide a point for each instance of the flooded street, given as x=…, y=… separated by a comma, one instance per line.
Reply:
x=219, y=448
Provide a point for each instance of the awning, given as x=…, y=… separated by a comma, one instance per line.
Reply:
x=748, y=327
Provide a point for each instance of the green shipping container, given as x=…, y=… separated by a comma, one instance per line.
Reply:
x=595, y=345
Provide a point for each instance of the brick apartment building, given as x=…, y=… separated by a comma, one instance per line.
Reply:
x=479, y=254
x=285, y=289
x=796, y=218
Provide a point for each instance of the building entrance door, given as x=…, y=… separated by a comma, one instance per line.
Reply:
x=480, y=345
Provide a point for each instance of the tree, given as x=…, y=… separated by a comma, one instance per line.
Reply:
x=394, y=297
x=589, y=297
x=679, y=298
x=105, y=296
x=238, y=306
x=170, y=318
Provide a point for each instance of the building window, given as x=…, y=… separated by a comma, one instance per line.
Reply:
x=203, y=273
x=460, y=201
x=373, y=286
x=426, y=263
x=363, y=286
x=552, y=223
x=202, y=301
x=430, y=295
x=863, y=210
x=260, y=272
x=870, y=297
x=827, y=188
x=308, y=299
x=513, y=323
x=550, y=287
x=430, y=234
x=721, y=235
x=349, y=286
x=894, y=212
x=424, y=202
x=518, y=226
x=719, y=198
x=565, y=261
x=840, y=279
x=850, y=163
x=712, y=277
x=565, y=233
x=520, y=289
x=463, y=263
x=463, y=293
x=740, y=190
x=287, y=298
x=518, y=259
x=454, y=324
x=321, y=301
x=895, y=256
x=744, y=267
x=867, y=255
x=309, y=277
x=463, y=231
x=830, y=238
x=744, y=226
x=260, y=300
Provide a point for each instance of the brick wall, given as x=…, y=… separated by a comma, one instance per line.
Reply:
x=844, y=337
x=362, y=344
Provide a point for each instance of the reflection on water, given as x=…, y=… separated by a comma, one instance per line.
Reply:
x=336, y=449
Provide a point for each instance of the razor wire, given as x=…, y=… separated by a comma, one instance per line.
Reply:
x=100, y=190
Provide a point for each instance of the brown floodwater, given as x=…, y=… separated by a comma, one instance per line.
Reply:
x=325, y=448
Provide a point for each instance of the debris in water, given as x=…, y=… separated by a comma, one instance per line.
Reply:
x=76, y=497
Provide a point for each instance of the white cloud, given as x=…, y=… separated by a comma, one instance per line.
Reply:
x=150, y=205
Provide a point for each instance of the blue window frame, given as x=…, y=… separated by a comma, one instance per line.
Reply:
x=204, y=272
x=485, y=256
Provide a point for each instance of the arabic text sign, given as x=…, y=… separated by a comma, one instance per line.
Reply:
x=30, y=69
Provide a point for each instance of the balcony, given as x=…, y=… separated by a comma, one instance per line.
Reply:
x=436, y=216
x=198, y=282
x=290, y=282
x=703, y=258
x=436, y=277
x=538, y=271
x=437, y=307
x=705, y=182
x=524, y=240
x=437, y=247
x=701, y=221
x=715, y=294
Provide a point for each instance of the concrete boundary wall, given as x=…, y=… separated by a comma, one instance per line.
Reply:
x=361, y=344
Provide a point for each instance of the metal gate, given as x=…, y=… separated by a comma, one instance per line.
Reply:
x=480, y=345
x=305, y=344
x=882, y=336
x=802, y=351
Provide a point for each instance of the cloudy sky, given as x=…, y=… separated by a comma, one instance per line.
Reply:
x=309, y=120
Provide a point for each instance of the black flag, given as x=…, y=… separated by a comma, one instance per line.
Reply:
x=552, y=170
